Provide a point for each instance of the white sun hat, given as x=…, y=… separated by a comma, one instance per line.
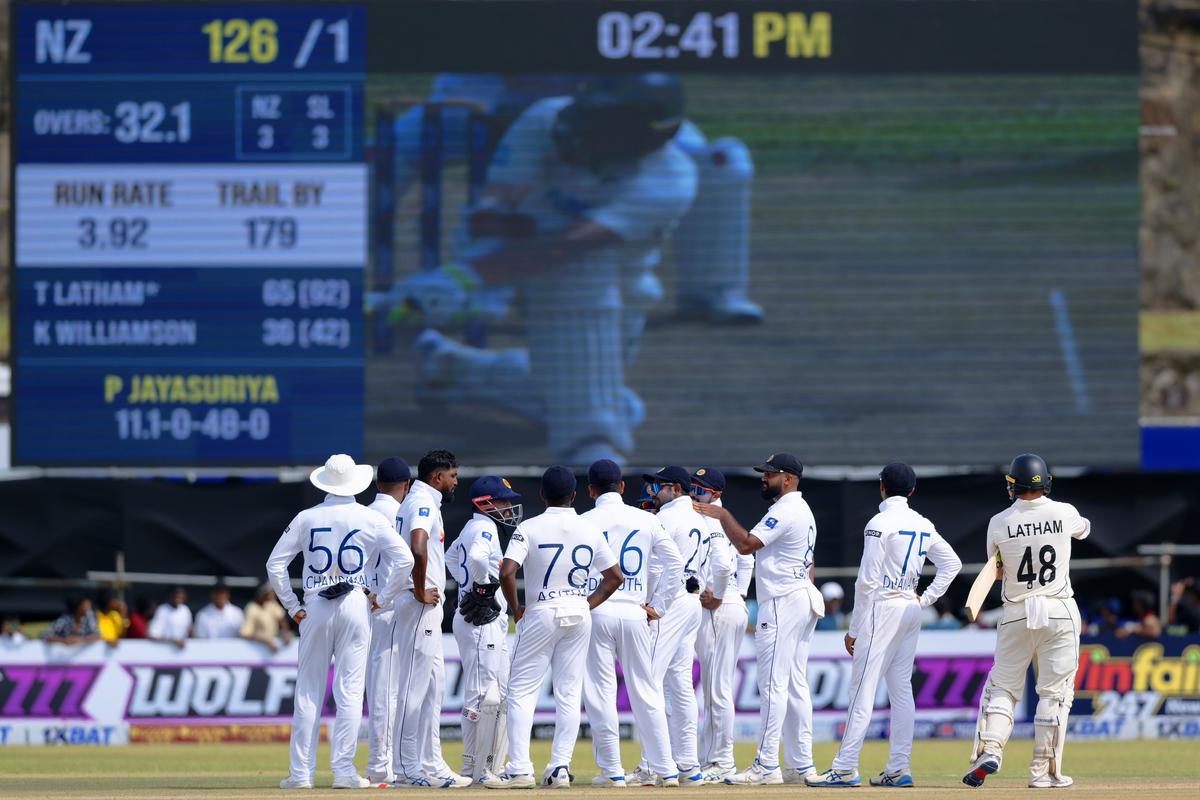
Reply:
x=341, y=476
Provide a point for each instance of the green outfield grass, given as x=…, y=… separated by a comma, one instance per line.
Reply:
x=230, y=772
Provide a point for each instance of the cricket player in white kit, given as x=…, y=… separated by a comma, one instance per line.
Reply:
x=417, y=747
x=788, y=608
x=620, y=630
x=886, y=623
x=1032, y=539
x=474, y=563
x=722, y=628
x=673, y=651
x=582, y=192
x=392, y=479
x=557, y=550
x=338, y=538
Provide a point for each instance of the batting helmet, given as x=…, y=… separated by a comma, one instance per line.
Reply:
x=487, y=490
x=619, y=118
x=1026, y=473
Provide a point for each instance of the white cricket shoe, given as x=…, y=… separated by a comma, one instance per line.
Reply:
x=506, y=781
x=351, y=782
x=715, y=773
x=798, y=775
x=835, y=777
x=756, y=775
x=381, y=781
x=642, y=777
x=898, y=780
x=1049, y=781
x=616, y=782
x=449, y=780
x=557, y=778
x=986, y=764
x=296, y=783
x=693, y=776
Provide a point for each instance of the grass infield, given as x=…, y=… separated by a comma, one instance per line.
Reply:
x=231, y=772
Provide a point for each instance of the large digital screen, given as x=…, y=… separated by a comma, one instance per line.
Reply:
x=657, y=232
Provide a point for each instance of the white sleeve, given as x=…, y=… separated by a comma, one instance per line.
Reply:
x=286, y=549
x=518, y=548
x=202, y=627
x=948, y=566
x=664, y=559
x=745, y=573
x=651, y=202
x=867, y=583
x=155, y=628
x=720, y=563
x=398, y=555
x=479, y=557
x=768, y=529
x=1082, y=526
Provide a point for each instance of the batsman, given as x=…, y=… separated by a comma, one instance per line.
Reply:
x=1032, y=538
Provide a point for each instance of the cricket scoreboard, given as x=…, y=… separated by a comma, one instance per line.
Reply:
x=190, y=233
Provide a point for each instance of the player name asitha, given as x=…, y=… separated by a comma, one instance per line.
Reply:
x=94, y=293
x=116, y=332
x=1035, y=528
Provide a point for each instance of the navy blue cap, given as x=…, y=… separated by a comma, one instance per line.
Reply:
x=670, y=474
x=495, y=487
x=781, y=462
x=898, y=478
x=558, y=481
x=393, y=470
x=604, y=472
x=709, y=478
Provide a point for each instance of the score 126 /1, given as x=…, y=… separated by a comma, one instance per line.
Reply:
x=241, y=41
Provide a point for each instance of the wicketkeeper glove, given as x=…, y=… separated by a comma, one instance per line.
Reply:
x=479, y=606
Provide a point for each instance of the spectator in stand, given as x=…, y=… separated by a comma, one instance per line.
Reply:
x=11, y=631
x=172, y=622
x=1105, y=618
x=266, y=621
x=220, y=619
x=834, y=595
x=1145, y=623
x=77, y=626
x=111, y=619
x=1184, y=613
x=139, y=620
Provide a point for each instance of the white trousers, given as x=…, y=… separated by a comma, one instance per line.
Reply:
x=337, y=630
x=782, y=640
x=626, y=640
x=483, y=650
x=544, y=644
x=717, y=645
x=884, y=649
x=673, y=654
x=383, y=684
x=417, y=740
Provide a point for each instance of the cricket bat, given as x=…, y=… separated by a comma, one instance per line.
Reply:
x=980, y=588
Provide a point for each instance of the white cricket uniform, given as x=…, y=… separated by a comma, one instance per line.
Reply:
x=219, y=623
x=645, y=551
x=338, y=538
x=788, y=608
x=718, y=643
x=383, y=668
x=475, y=558
x=1040, y=620
x=557, y=550
x=674, y=648
x=417, y=742
x=572, y=377
x=887, y=621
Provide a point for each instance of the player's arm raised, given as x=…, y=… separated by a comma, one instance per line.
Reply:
x=743, y=540
x=286, y=549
